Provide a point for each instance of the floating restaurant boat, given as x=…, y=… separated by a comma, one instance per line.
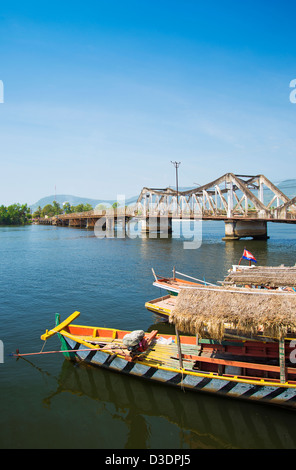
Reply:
x=271, y=278
x=267, y=277
x=281, y=277
x=261, y=370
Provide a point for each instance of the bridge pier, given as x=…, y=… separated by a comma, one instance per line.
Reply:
x=78, y=222
x=157, y=224
x=90, y=223
x=236, y=229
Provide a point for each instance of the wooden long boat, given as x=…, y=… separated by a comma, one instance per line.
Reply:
x=162, y=306
x=282, y=278
x=235, y=369
x=173, y=285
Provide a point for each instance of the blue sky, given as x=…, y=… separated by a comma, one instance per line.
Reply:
x=100, y=96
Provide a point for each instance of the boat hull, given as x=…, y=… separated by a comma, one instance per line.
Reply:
x=162, y=306
x=233, y=387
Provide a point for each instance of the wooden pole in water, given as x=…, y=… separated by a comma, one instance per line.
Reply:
x=283, y=375
x=179, y=348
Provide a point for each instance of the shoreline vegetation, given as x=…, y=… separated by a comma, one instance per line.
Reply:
x=15, y=214
x=20, y=214
x=55, y=209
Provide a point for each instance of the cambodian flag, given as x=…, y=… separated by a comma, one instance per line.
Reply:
x=247, y=255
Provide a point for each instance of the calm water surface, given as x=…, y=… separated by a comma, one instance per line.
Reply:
x=46, y=402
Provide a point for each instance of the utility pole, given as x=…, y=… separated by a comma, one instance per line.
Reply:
x=176, y=165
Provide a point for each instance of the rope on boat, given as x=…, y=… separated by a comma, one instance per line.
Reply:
x=43, y=346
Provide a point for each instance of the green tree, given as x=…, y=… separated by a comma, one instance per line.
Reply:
x=3, y=215
x=67, y=208
x=37, y=213
x=47, y=210
x=57, y=208
x=15, y=214
x=81, y=208
x=101, y=207
x=78, y=208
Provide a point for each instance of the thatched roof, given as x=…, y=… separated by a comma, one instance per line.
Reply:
x=278, y=276
x=206, y=310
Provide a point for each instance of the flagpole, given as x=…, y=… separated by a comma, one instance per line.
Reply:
x=241, y=257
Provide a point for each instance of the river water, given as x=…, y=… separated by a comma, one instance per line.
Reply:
x=47, y=402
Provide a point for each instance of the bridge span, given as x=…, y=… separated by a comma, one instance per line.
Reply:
x=245, y=203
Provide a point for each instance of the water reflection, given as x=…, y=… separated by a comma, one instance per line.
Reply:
x=203, y=421
x=50, y=270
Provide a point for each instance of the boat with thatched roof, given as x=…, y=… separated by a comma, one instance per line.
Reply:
x=208, y=311
x=281, y=278
x=237, y=369
x=269, y=277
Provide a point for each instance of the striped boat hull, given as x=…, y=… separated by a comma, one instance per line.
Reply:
x=282, y=395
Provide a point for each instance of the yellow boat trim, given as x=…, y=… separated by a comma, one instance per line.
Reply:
x=183, y=371
x=154, y=308
x=81, y=341
x=60, y=327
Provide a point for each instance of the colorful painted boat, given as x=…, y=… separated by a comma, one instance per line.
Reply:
x=235, y=369
x=162, y=306
x=173, y=285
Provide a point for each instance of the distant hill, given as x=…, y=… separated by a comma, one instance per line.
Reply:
x=288, y=187
x=75, y=200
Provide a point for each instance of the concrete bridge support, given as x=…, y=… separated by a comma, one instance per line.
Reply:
x=157, y=224
x=81, y=223
x=90, y=224
x=236, y=229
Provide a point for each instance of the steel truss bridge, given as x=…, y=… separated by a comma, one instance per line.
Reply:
x=244, y=202
x=228, y=197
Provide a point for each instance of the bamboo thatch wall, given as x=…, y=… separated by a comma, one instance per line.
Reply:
x=206, y=310
x=280, y=276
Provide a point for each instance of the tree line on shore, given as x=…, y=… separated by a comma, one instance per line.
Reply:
x=15, y=214
x=20, y=214
x=55, y=209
